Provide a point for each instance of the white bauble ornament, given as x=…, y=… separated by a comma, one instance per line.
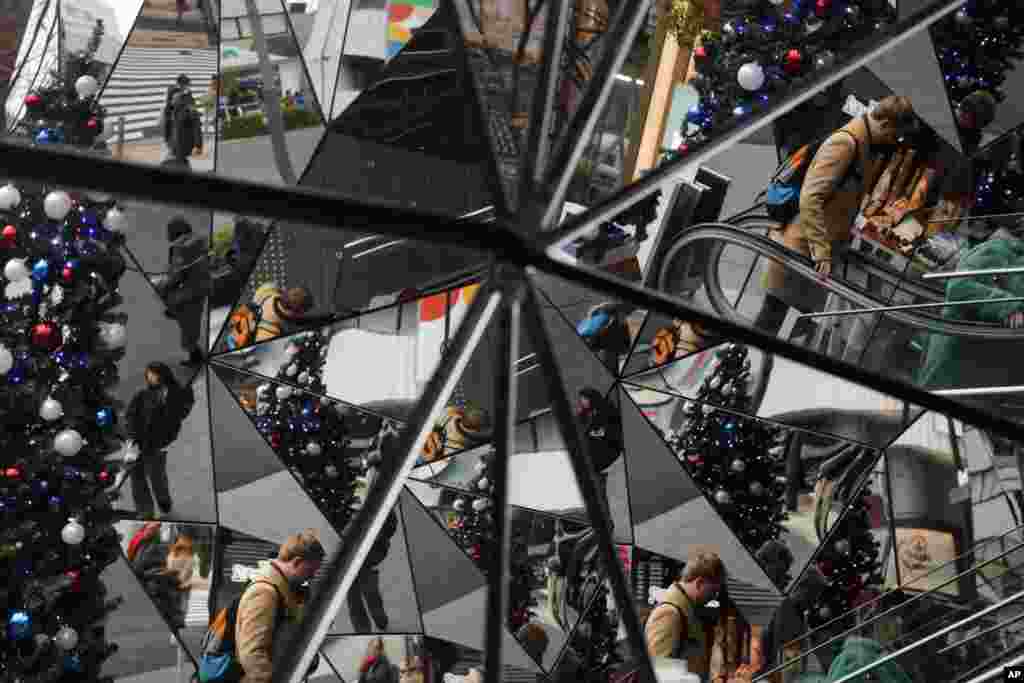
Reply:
x=113, y=335
x=283, y=392
x=304, y=377
x=843, y=546
x=86, y=86
x=67, y=637
x=114, y=219
x=67, y=442
x=73, y=532
x=484, y=484
x=16, y=270
x=722, y=497
x=292, y=370
x=51, y=410
x=6, y=360
x=331, y=471
x=459, y=504
x=750, y=76
x=480, y=466
x=262, y=407
x=9, y=197
x=57, y=205
x=16, y=290
x=57, y=295
x=480, y=504
x=262, y=390
x=313, y=448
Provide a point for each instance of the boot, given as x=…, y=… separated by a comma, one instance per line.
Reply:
x=772, y=315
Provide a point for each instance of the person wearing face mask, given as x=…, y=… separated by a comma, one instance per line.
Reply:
x=674, y=628
x=844, y=168
x=153, y=421
x=273, y=602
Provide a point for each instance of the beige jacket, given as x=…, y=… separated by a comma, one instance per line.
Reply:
x=665, y=628
x=827, y=211
x=257, y=617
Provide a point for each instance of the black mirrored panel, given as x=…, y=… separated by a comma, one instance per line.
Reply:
x=45, y=67
x=268, y=116
x=236, y=243
x=174, y=563
x=452, y=590
x=685, y=516
x=383, y=598
x=997, y=178
x=166, y=460
x=147, y=647
x=162, y=91
x=978, y=50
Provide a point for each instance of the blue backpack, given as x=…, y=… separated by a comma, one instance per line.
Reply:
x=218, y=659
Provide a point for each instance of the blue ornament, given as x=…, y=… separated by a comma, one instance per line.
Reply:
x=56, y=504
x=19, y=625
x=40, y=486
x=73, y=663
x=89, y=218
x=16, y=375
x=24, y=567
x=104, y=417
x=307, y=407
x=740, y=110
x=82, y=360
x=50, y=136
x=87, y=248
x=768, y=26
x=695, y=114
x=41, y=270
x=71, y=473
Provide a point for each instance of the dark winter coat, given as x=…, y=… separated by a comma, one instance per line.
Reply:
x=381, y=671
x=859, y=652
x=188, y=279
x=952, y=362
x=154, y=418
x=379, y=551
x=603, y=428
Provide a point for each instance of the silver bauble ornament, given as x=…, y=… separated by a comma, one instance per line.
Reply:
x=484, y=484
x=843, y=546
x=459, y=504
x=314, y=448
x=304, y=377
x=73, y=532
x=481, y=504
x=66, y=638
x=722, y=497
x=292, y=370
x=738, y=466
x=756, y=488
x=331, y=471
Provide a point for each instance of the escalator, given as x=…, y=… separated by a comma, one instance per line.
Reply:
x=930, y=635
x=721, y=234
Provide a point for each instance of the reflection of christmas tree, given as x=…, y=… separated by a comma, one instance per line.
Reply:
x=59, y=344
x=739, y=462
x=849, y=560
x=65, y=110
x=473, y=529
x=309, y=434
x=765, y=49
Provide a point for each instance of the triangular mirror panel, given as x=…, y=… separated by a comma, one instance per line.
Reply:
x=236, y=243
x=175, y=565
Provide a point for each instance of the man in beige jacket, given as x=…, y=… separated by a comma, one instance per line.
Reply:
x=673, y=629
x=273, y=599
x=845, y=167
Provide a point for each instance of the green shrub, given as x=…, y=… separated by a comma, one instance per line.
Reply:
x=299, y=118
x=247, y=126
x=222, y=239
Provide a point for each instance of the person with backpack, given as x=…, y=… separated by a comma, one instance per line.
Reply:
x=187, y=285
x=273, y=313
x=674, y=628
x=153, y=421
x=272, y=602
x=820, y=198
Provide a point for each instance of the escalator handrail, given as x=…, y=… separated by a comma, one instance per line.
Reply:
x=723, y=234
x=928, y=290
x=893, y=656
x=970, y=551
x=996, y=672
x=881, y=615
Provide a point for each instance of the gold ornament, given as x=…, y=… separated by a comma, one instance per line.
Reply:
x=686, y=21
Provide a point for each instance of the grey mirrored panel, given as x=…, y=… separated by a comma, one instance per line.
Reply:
x=175, y=565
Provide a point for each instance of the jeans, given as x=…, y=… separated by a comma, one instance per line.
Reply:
x=151, y=468
x=367, y=589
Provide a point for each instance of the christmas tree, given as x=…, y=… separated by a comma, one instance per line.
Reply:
x=65, y=110
x=977, y=47
x=308, y=434
x=999, y=185
x=472, y=527
x=738, y=461
x=849, y=560
x=59, y=345
x=766, y=49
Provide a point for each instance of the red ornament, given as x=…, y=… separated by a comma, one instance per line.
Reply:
x=793, y=62
x=700, y=53
x=821, y=7
x=683, y=149
x=12, y=473
x=92, y=123
x=33, y=100
x=474, y=552
x=46, y=336
x=104, y=475
x=275, y=440
x=76, y=579
x=825, y=567
x=9, y=233
x=68, y=274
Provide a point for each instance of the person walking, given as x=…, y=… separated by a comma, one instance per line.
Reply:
x=364, y=598
x=272, y=604
x=187, y=285
x=376, y=667
x=153, y=421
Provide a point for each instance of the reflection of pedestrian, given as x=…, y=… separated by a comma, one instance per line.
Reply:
x=153, y=421
x=376, y=667
x=187, y=284
x=182, y=7
x=364, y=599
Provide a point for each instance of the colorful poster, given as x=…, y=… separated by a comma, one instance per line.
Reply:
x=405, y=16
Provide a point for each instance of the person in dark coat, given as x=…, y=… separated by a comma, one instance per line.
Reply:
x=364, y=599
x=187, y=285
x=153, y=420
x=376, y=667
